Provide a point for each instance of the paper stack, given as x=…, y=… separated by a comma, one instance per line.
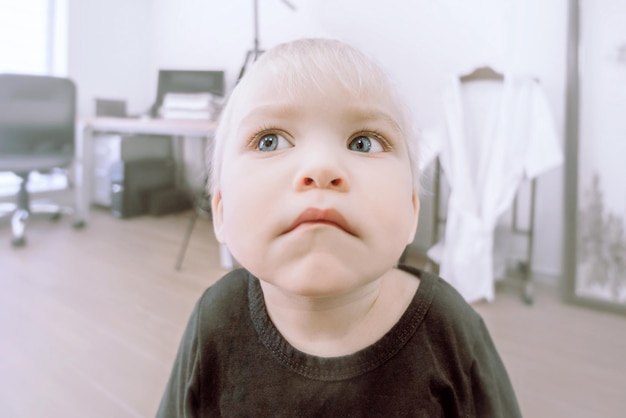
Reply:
x=189, y=106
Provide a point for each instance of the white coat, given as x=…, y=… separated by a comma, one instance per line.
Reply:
x=484, y=166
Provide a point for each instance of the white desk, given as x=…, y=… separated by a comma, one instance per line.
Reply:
x=84, y=151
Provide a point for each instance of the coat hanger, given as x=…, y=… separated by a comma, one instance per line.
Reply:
x=482, y=73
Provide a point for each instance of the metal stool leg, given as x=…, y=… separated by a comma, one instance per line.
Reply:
x=183, y=249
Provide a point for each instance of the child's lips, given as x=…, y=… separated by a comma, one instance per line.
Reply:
x=321, y=216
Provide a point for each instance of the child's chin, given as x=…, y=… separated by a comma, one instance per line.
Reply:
x=324, y=277
x=316, y=290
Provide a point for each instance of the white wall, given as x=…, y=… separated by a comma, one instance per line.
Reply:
x=216, y=34
x=110, y=52
x=419, y=42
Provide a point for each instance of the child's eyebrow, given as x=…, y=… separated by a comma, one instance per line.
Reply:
x=371, y=115
x=269, y=111
x=353, y=114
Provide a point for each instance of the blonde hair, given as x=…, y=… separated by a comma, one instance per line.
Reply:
x=309, y=63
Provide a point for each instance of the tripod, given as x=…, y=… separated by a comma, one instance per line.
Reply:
x=253, y=54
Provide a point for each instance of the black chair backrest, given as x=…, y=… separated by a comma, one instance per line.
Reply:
x=37, y=115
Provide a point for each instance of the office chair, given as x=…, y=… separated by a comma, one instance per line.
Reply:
x=37, y=127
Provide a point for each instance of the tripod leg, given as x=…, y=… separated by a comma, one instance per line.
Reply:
x=246, y=63
x=183, y=248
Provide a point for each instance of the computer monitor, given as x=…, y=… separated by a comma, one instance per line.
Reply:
x=111, y=108
x=187, y=81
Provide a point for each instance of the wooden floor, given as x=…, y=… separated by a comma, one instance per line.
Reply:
x=90, y=321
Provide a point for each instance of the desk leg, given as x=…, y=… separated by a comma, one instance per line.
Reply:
x=178, y=154
x=84, y=157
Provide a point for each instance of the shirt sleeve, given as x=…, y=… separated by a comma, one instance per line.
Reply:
x=491, y=388
x=181, y=394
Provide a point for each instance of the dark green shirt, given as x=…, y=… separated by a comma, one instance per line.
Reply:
x=437, y=361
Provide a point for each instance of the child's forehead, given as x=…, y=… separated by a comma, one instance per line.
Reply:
x=269, y=91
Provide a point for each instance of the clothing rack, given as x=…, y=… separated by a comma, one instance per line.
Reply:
x=524, y=267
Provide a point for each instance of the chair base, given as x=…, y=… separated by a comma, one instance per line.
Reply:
x=20, y=217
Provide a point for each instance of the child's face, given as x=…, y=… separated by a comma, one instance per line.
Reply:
x=315, y=194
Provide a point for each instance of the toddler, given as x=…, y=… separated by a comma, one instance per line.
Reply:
x=314, y=185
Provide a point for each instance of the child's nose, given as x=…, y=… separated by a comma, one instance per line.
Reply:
x=320, y=177
x=317, y=182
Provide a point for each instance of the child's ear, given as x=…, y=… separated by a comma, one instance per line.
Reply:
x=217, y=212
x=416, y=214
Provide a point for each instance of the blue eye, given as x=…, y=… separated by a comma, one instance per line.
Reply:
x=272, y=142
x=364, y=143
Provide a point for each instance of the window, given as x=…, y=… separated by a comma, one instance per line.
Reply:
x=26, y=36
x=33, y=41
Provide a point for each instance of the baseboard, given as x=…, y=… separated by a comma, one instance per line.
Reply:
x=551, y=278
